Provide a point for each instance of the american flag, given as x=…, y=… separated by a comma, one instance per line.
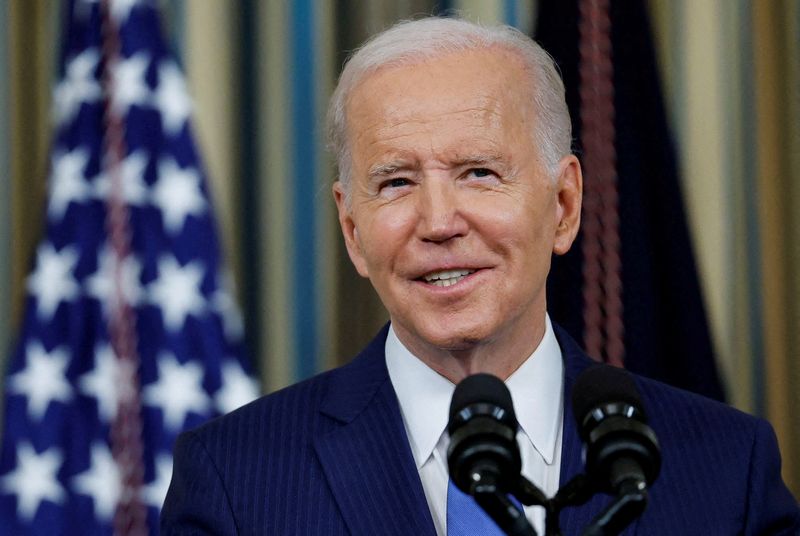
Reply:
x=130, y=333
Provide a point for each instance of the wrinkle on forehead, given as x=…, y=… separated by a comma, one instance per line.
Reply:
x=388, y=132
x=488, y=113
x=388, y=115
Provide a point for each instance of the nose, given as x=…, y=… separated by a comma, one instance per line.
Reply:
x=441, y=218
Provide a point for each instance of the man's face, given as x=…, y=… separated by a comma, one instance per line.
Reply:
x=452, y=216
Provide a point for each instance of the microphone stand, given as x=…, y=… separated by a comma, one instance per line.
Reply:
x=574, y=493
x=629, y=504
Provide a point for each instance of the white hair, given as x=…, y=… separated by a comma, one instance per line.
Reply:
x=415, y=41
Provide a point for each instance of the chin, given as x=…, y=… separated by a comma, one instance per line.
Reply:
x=454, y=339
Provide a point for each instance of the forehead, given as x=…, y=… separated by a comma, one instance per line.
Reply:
x=482, y=93
x=492, y=71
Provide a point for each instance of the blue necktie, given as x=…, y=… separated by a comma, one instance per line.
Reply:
x=465, y=517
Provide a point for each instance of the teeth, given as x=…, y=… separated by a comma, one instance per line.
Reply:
x=446, y=278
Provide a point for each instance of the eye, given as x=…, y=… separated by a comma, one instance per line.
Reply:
x=398, y=182
x=481, y=172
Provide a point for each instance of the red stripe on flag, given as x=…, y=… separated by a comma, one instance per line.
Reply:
x=126, y=431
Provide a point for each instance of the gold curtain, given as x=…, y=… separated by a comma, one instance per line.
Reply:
x=730, y=71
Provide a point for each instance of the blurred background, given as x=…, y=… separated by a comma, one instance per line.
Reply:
x=260, y=73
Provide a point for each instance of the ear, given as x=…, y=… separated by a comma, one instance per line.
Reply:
x=349, y=230
x=569, y=191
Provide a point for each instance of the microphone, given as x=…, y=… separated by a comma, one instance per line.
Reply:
x=483, y=456
x=483, y=433
x=622, y=451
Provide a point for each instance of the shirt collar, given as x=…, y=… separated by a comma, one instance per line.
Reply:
x=537, y=392
x=424, y=395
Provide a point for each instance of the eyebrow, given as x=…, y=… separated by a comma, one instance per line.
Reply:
x=383, y=169
x=388, y=168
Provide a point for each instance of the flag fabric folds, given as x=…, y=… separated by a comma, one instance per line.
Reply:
x=130, y=334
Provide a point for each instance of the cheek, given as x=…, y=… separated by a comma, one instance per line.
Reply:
x=383, y=235
x=518, y=221
x=524, y=232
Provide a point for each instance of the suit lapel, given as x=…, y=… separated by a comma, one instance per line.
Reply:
x=575, y=519
x=367, y=459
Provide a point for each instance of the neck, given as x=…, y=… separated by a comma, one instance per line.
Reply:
x=500, y=357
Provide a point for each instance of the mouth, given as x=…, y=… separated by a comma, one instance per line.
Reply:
x=446, y=278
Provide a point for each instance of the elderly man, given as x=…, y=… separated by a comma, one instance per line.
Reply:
x=456, y=186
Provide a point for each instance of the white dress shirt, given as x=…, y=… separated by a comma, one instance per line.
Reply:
x=536, y=387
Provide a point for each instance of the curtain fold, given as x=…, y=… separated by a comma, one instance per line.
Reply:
x=776, y=55
x=731, y=71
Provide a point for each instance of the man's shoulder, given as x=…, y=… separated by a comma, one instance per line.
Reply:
x=288, y=416
x=720, y=467
x=718, y=457
x=300, y=398
x=682, y=419
x=662, y=402
x=685, y=412
x=310, y=402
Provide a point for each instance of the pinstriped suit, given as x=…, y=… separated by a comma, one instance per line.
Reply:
x=330, y=456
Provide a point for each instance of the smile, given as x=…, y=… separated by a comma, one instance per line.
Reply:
x=446, y=278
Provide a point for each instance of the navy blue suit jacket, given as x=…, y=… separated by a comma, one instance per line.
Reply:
x=330, y=456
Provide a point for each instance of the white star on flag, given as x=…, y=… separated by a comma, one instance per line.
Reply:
x=171, y=98
x=237, y=387
x=134, y=188
x=67, y=183
x=101, y=482
x=43, y=380
x=34, y=479
x=177, y=193
x=102, y=284
x=52, y=281
x=128, y=337
x=176, y=291
x=178, y=390
x=102, y=382
x=130, y=86
x=78, y=86
x=155, y=492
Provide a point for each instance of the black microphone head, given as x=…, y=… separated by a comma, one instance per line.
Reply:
x=602, y=384
x=620, y=447
x=483, y=447
x=481, y=389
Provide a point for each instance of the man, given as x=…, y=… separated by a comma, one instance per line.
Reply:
x=456, y=186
